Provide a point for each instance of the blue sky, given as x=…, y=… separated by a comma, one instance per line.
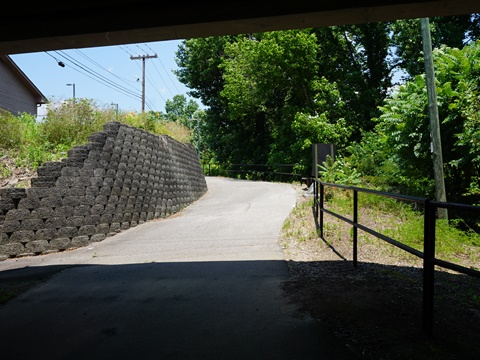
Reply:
x=107, y=74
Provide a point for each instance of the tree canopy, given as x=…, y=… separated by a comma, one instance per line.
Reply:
x=270, y=96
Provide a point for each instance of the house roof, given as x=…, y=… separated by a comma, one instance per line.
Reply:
x=29, y=85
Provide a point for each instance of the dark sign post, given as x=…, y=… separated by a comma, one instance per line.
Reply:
x=319, y=155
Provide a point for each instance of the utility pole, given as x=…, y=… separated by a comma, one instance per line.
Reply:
x=143, y=58
x=436, y=142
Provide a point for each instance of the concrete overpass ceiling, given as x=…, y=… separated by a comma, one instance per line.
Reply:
x=59, y=25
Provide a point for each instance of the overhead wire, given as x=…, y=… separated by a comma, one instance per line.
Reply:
x=126, y=87
x=96, y=76
x=147, y=78
x=100, y=78
x=145, y=49
x=153, y=84
x=168, y=74
x=124, y=80
x=148, y=74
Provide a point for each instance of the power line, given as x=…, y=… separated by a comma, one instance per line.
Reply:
x=101, y=67
x=96, y=74
x=119, y=83
x=132, y=53
x=97, y=77
x=153, y=83
x=168, y=74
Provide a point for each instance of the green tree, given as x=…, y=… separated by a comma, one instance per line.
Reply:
x=404, y=121
x=255, y=85
x=199, y=63
x=181, y=110
x=325, y=125
x=452, y=31
x=268, y=79
x=357, y=59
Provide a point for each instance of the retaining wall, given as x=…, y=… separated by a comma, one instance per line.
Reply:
x=123, y=177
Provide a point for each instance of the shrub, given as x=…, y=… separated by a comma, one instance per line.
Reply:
x=12, y=130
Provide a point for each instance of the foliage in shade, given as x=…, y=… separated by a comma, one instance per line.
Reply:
x=403, y=127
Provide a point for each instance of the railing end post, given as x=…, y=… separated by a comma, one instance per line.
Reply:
x=428, y=268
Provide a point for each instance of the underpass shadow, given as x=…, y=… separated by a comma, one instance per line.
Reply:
x=182, y=308
x=179, y=310
x=392, y=295
x=377, y=309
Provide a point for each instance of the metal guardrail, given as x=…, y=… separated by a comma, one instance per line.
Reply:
x=256, y=171
x=428, y=254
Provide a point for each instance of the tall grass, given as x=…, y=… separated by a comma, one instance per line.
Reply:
x=404, y=223
x=398, y=220
x=28, y=143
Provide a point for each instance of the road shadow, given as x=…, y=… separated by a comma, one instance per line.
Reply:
x=177, y=310
x=377, y=309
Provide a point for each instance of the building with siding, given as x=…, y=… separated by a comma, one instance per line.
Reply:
x=17, y=93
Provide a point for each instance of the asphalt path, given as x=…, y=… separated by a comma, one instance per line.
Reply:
x=204, y=283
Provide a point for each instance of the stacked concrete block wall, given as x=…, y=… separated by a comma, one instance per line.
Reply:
x=123, y=177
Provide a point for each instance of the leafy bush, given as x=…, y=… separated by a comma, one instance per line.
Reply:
x=404, y=126
x=12, y=130
x=338, y=171
x=72, y=123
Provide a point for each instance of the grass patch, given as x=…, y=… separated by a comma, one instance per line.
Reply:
x=398, y=220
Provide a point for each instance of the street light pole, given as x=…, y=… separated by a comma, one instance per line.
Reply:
x=116, y=111
x=73, y=86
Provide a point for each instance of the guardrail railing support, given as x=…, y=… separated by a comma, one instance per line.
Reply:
x=322, y=200
x=428, y=267
x=355, y=230
x=428, y=255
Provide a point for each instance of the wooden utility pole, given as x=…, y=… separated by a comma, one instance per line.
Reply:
x=436, y=142
x=143, y=57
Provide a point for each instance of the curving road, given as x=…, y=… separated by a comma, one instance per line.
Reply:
x=202, y=284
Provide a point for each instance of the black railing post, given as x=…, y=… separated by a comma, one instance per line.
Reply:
x=322, y=191
x=355, y=230
x=428, y=267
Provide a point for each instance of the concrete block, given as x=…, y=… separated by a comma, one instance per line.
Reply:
x=60, y=243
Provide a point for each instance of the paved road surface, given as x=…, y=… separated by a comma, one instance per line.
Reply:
x=202, y=284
